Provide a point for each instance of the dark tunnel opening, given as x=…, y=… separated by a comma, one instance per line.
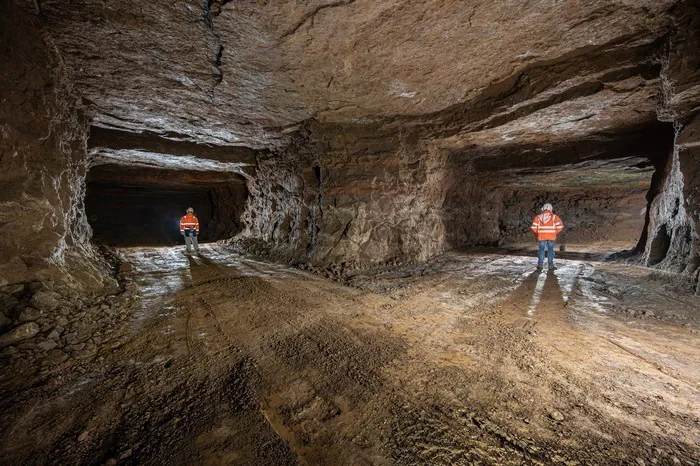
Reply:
x=659, y=246
x=137, y=206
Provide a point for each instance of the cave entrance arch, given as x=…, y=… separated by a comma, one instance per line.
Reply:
x=142, y=206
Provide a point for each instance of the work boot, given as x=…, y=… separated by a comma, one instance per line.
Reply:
x=552, y=267
x=539, y=267
x=196, y=253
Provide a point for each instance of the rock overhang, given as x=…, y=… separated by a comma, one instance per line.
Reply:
x=224, y=73
x=360, y=120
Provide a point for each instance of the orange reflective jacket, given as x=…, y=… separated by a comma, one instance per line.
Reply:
x=547, y=226
x=189, y=221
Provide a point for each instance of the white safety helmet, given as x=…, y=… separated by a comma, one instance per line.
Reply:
x=190, y=210
x=547, y=206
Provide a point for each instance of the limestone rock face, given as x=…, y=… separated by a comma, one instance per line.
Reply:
x=19, y=333
x=246, y=72
x=367, y=58
x=367, y=131
x=43, y=232
x=187, y=70
x=674, y=229
x=673, y=241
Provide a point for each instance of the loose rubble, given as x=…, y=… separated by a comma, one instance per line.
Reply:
x=47, y=326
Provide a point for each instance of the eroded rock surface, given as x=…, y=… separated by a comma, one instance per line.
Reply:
x=373, y=131
x=43, y=230
x=356, y=139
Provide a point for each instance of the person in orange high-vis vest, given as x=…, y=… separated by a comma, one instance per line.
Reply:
x=189, y=228
x=546, y=226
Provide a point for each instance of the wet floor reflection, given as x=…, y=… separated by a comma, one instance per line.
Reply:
x=538, y=278
x=161, y=272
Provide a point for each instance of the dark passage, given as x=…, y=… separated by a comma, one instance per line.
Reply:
x=659, y=246
x=130, y=206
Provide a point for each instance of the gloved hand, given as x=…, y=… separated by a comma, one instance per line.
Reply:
x=182, y=232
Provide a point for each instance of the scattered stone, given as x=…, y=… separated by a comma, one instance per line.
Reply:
x=557, y=416
x=47, y=345
x=37, y=286
x=4, y=321
x=72, y=338
x=77, y=347
x=90, y=350
x=125, y=454
x=62, y=321
x=15, y=289
x=54, y=335
x=8, y=351
x=126, y=267
x=28, y=345
x=46, y=300
x=132, y=287
x=54, y=356
x=84, y=436
x=7, y=304
x=18, y=334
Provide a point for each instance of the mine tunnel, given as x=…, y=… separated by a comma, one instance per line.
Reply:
x=137, y=206
x=436, y=232
x=601, y=185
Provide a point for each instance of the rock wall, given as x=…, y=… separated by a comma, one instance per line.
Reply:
x=673, y=241
x=282, y=210
x=689, y=165
x=613, y=216
x=472, y=212
x=381, y=207
x=43, y=231
x=394, y=137
x=674, y=228
x=228, y=204
x=347, y=203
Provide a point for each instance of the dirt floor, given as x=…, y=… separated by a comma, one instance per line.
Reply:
x=472, y=358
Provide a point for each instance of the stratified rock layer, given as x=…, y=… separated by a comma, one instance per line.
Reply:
x=43, y=230
x=372, y=131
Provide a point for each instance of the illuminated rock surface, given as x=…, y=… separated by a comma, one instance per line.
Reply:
x=355, y=139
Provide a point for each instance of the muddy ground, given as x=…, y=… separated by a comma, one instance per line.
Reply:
x=472, y=358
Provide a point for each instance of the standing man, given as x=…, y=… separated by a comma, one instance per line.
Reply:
x=546, y=226
x=189, y=228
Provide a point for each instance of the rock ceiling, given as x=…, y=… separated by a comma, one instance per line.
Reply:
x=247, y=74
